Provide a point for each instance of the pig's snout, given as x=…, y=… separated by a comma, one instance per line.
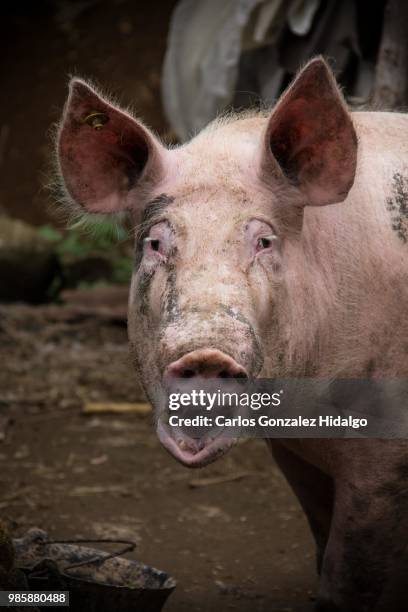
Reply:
x=205, y=363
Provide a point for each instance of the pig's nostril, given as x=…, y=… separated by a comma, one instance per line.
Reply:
x=224, y=374
x=187, y=374
x=231, y=374
x=205, y=363
x=241, y=375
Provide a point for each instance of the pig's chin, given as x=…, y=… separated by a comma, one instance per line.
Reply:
x=189, y=452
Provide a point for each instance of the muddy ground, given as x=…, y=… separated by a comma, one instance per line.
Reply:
x=242, y=545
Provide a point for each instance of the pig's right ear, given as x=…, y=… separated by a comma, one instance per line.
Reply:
x=310, y=140
x=105, y=157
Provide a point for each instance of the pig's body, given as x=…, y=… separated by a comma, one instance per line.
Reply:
x=349, y=291
x=355, y=492
x=241, y=269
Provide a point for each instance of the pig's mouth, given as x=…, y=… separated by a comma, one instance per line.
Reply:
x=206, y=371
x=191, y=452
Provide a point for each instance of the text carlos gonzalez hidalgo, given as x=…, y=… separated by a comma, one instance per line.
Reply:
x=254, y=401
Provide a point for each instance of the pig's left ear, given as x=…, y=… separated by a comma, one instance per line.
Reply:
x=310, y=138
x=104, y=155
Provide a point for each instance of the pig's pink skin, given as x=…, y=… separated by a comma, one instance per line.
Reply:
x=331, y=301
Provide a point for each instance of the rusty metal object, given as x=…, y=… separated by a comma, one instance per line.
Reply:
x=96, y=120
x=97, y=581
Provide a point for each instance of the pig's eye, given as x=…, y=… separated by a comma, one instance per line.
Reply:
x=154, y=244
x=265, y=242
x=157, y=245
x=262, y=240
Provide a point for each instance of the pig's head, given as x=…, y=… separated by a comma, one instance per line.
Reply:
x=218, y=229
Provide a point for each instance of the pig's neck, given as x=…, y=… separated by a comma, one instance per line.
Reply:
x=345, y=295
x=308, y=312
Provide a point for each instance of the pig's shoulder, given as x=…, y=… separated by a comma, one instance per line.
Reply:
x=381, y=128
x=235, y=124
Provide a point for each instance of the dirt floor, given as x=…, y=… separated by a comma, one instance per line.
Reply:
x=241, y=545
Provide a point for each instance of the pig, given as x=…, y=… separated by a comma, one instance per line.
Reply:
x=272, y=244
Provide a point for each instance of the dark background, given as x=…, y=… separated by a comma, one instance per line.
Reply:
x=119, y=44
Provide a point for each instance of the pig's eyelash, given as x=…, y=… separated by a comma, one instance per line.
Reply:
x=143, y=230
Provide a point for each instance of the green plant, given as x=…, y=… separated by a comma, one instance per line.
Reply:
x=86, y=238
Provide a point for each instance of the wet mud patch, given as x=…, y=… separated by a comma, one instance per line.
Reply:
x=397, y=205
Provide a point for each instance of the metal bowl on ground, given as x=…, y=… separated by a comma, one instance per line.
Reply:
x=97, y=581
